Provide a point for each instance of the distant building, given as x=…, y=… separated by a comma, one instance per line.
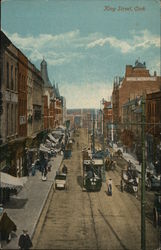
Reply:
x=53, y=102
x=116, y=119
x=48, y=97
x=64, y=109
x=137, y=81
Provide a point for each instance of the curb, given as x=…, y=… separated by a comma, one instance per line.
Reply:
x=43, y=206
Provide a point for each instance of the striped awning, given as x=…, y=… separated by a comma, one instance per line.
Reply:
x=9, y=181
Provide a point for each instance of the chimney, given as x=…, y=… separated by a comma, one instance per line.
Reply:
x=128, y=70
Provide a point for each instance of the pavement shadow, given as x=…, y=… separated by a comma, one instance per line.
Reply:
x=118, y=187
x=80, y=181
x=113, y=231
x=15, y=203
x=149, y=216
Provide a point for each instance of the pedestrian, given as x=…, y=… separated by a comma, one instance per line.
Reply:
x=109, y=187
x=64, y=169
x=129, y=165
x=24, y=242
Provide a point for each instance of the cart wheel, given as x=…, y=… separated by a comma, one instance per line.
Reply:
x=155, y=217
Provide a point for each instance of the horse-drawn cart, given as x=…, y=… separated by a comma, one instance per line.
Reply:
x=157, y=210
x=129, y=181
x=110, y=164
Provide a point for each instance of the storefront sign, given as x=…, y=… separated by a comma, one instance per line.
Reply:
x=138, y=79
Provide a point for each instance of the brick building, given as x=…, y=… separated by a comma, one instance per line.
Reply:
x=137, y=81
x=107, y=112
x=21, y=116
x=58, y=106
x=153, y=128
x=22, y=94
x=115, y=108
x=9, y=98
x=53, y=103
x=131, y=132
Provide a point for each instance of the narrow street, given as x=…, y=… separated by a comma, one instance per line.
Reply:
x=83, y=220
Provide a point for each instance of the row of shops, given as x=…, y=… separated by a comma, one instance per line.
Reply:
x=19, y=158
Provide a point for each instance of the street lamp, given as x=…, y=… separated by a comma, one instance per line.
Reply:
x=103, y=169
x=143, y=226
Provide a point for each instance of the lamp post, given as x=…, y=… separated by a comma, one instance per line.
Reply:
x=143, y=226
x=93, y=138
x=103, y=169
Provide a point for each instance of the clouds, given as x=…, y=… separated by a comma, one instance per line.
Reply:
x=84, y=46
x=143, y=40
x=63, y=48
x=85, y=65
x=123, y=46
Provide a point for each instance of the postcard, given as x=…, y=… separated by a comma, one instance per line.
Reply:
x=80, y=124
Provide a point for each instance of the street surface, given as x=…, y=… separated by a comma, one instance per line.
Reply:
x=92, y=220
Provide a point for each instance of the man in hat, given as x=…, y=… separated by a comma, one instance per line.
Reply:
x=25, y=242
x=109, y=187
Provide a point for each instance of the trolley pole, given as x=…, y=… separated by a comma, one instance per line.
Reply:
x=143, y=225
x=93, y=138
x=104, y=176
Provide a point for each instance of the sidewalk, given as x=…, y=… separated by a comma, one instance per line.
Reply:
x=128, y=157
x=25, y=208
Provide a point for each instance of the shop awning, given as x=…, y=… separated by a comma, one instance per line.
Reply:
x=52, y=138
x=44, y=149
x=9, y=181
x=61, y=127
x=51, y=143
x=57, y=132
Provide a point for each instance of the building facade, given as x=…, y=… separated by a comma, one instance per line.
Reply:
x=21, y=117
x=137, y=82
x=53, y=102
x=9, y=98
x=131, y=129
x=153, y=127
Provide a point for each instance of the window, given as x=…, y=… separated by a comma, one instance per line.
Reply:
x=12, y=77
x=16, y=79
x=16, y=114
x=19, y=81
x=12, y=115
x=7, y=119
x=7, y=75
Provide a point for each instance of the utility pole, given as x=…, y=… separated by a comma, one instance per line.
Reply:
x=143, y=225
x=93, y=139
x=103, y=172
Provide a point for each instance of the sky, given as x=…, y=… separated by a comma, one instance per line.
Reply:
x=86, y=43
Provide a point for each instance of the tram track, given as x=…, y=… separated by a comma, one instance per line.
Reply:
x=78, y=219
x=93, y=221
